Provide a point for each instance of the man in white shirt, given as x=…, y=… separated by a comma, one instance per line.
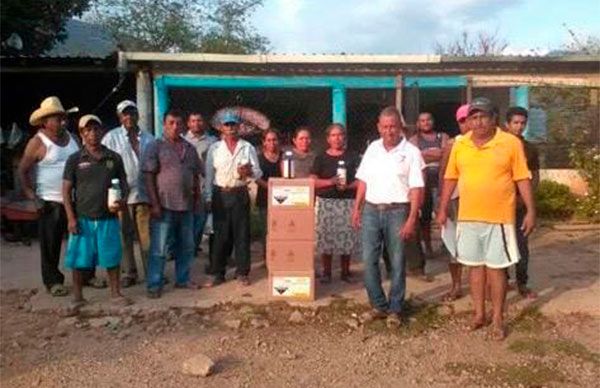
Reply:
x=386, y=209
x=129, y=141
x=231, y=164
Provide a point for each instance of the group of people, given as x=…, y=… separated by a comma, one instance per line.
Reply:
x=481, y=179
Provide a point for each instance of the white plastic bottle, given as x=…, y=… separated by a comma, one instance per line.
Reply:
x=342, y=173
x=288, y=165
x=114, y=193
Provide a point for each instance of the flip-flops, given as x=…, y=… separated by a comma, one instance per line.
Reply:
x=58, y=290
x=74, y=308
x=121, y=301
x=452, y=296
x=97, y=283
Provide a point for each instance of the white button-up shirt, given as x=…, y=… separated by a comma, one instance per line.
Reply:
x=118, y=141
x=221, y=165
x=389, y=175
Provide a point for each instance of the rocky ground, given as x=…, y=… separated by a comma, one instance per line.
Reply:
x=276, y=345
x=179, y=339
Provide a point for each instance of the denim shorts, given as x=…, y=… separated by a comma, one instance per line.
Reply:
x=98, y=243
x=490, y=245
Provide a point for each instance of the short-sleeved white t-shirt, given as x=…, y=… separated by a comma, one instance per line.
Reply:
x=389, y=175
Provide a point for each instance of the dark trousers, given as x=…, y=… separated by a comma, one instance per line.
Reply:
x=52, y=225
x=231, y=224
x=523, y=245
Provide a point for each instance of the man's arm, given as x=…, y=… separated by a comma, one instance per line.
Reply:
x=150, y=181
x=448, y=186
x=524, y=187
x=256, y=171
x=209, y=169
x=408, y=229
x=123, y=182
x=444, y=159
x=33, y=153
x=67, y=189
x=359, y=201
x=150, y=167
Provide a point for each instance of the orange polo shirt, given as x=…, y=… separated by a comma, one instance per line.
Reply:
x=486, y=177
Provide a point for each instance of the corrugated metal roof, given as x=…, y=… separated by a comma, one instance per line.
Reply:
x=339, y=58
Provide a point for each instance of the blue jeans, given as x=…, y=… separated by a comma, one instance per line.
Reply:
x=378, y=227
x=179, y=225
x=199, y=222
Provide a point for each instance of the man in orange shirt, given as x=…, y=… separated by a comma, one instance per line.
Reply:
x=486, y=163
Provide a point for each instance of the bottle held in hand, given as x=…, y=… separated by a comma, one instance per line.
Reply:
x=288, y=165
x=342, y=174
x=114, y=195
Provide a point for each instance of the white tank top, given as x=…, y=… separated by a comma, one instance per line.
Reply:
x=49, y=171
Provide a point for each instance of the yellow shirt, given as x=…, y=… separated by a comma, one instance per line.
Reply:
x=486, y=177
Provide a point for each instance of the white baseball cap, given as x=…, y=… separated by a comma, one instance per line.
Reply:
x=121, y=106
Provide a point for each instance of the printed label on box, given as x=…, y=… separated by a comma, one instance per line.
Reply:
x=291, y=286
x=290, y=196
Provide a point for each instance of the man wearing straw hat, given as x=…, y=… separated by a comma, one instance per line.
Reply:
x=48, y=151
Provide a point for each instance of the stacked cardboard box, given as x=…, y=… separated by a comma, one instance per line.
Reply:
x=291, y=239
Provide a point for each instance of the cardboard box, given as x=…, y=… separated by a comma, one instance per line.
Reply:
x=291, y=224
x=291, y=193
x=290, y=255
x=292, y=285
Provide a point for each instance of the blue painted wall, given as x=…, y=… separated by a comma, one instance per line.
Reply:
x=338, y=85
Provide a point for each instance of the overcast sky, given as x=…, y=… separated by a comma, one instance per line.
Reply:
x=413, y=26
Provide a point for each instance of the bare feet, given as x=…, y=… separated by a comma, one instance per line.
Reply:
x=453, y=295
x=498, y=333
x=477, y=323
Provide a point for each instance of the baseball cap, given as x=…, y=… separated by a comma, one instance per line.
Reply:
x=462, y=112
x=481, y=104
x=229, y=117
x=85, y=119
x=121, y=106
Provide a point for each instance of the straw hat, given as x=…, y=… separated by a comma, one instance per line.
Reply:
x=50, y=106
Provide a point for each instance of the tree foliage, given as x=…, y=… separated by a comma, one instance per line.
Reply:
x=219, y=26
x=466, y=45
x=39, y=23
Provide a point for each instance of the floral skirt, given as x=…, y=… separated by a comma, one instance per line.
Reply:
x=335, y=235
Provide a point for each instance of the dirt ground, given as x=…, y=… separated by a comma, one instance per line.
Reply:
x=554, y=341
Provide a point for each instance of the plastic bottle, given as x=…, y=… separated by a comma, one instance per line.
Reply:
x=342, y=173
x=114, y=193
x=288, y=165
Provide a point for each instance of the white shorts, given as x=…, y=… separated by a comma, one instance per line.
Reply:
x=491, y=245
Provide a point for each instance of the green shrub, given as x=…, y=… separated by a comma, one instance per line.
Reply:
x=554, y=200
x=587, y=162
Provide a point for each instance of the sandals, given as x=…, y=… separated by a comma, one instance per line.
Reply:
x=58, y=290
x=97, y=283
x=188, y=286
x=121, y=301
x=74, y=308
x=527, y=292
x=128, y=282
x=452, y=296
